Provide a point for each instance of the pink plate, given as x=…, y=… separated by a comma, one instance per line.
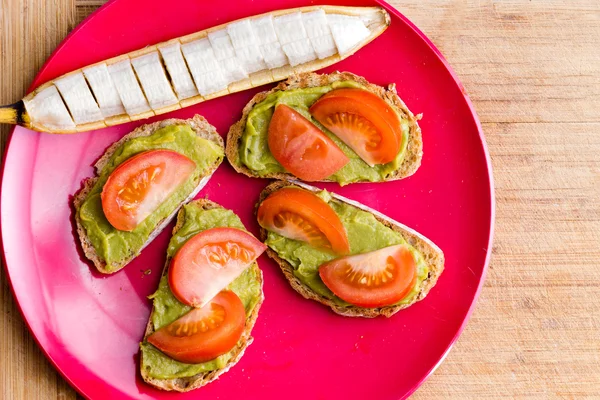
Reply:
x=89, y=325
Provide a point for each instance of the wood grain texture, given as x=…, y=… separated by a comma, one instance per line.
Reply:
x=532, y=69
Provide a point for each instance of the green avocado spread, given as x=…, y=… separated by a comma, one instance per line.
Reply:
x=113, y=245
x=167, y=308
x=365, y=234
x=254, y=149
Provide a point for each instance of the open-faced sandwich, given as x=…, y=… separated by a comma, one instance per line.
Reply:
x=141, y=181
x=207, y=301
x=344, y=254
x=334, y=127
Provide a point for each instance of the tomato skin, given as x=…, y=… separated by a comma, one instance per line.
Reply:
x=302, y=148
x=363, y=121
x=375, y=279
x=209, y=261
x=138, y=186
x=301, y=215
x=369, y=99
x=218, y=327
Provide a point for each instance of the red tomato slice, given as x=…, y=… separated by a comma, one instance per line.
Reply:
x=204, y=333
x=210, y=261
x=370, y=99
x=137, y=187
x=363, y=121
x=301, y=215
x=302, y=148
x=376, y=279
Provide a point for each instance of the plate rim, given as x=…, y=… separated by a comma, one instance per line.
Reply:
x=488, y=163
x=490, y=176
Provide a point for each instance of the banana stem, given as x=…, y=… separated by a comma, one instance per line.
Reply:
x=14, y=114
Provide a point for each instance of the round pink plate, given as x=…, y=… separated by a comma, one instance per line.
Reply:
x=90, y=325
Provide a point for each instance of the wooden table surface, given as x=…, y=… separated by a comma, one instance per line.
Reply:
x=532, y=69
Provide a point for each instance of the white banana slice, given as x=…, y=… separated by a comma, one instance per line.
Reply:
x=324, y=46
x=48, y=106
x=251, y=58
x=221, y=44
x=317, y=29
x=178, y=71
x=200, y=56
x=211, y=82
x=299, y=52
x=76, y=93
x=289, y=28
x=204, y=66
x=241, y=34
x=273, y=55
x=315, y=23
x=129, y=90
x=246, y=46
x=151, y=74
x=232, y=70
x=231, y=67
x=294, y=39
x=104, y=90
x=348, y=31
x=264, y=29
x=270, y=48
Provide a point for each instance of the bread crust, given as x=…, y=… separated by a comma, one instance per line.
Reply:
x=202, y=128
x=433, y=256
x=414, y=150
x=196, y=381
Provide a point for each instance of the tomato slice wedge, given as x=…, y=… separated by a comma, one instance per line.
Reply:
x=301, y=215
x=210, y=261
x=375, y=279
x=204, y=333
x=370, y=99
x=302, y=148
x=137, y=187
x=362, y=120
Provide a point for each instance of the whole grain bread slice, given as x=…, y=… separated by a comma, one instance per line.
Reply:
x=432, y=255
x=414, y=150
x=202, y=128
x=196, y=381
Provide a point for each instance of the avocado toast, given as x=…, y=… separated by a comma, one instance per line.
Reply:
x=367, y=230
x=249, y=153
x=158, y=369
x=110, y=249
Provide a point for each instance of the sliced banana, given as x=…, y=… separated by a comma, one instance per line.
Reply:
x=274, y=55
x=289, y=28
x=151, y=75
x=294, y=39
x=187, y=70
x=178, y=71
x=80, y=101
x=204, y=66
x=348, y=31
x=319, y=33
x=270, y=47
x=104, y=90
x=299, y=52
x=129, y=90
x=251, y=58
x=246, y=46
x=232, y=68
x=47, y=106
x=221, y=44
x=315, y=23
x=264, y=30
